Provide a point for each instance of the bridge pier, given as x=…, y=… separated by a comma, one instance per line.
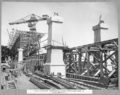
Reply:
x=97, y=38
x=54, y=64
x=97, y=35
x=20, y=55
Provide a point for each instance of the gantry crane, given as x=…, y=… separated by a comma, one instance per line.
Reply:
x=31, y=20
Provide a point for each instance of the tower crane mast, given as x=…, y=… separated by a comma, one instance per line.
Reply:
x=31, y=20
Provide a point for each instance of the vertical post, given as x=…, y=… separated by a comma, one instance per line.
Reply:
x=20, y=59
x=70, y=61
x=88, y=63
x=79, y=64
x=105, y=63
x=101, y=64
x=116, y=57
x=20, y=54
x=117, y=61
x=74, y=62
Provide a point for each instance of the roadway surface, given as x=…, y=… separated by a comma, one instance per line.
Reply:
x=23, y=82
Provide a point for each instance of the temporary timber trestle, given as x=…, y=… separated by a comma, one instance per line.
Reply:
x=93, y=59
x=93, y=63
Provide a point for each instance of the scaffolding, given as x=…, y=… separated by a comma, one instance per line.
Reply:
x=28, y=41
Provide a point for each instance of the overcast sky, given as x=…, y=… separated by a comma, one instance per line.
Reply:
x=79, y=18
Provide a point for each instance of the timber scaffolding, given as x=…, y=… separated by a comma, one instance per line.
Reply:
x=81, y=71
x=86, y=65
x=91, y=62
x=29, y=41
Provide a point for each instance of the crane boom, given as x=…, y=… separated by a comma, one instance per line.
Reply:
x=24, y=21
x=31, y=20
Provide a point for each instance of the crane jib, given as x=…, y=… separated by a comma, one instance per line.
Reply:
x=26, y=21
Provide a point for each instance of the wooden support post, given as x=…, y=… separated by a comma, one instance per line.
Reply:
x=74, y=62
x=88, y=63
x=70, y=62
x=105, y=63
x=101, y=64
x=80, y=63
x=116, y=56
x=117, y=61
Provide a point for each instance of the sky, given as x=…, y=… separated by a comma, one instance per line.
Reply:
x=79, y=18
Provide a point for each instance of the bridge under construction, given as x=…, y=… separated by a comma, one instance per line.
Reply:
x=90, y=66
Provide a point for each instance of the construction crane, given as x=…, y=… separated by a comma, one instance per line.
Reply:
x=100, y=21
x=31, y=20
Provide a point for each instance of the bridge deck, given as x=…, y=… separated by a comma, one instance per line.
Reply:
x=24, y=83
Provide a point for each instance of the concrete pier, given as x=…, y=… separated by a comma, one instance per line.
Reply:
x=54, y=64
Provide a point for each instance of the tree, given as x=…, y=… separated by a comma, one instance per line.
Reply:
x=5, y=53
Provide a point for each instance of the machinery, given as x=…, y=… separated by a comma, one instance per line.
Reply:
x=31, y=20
